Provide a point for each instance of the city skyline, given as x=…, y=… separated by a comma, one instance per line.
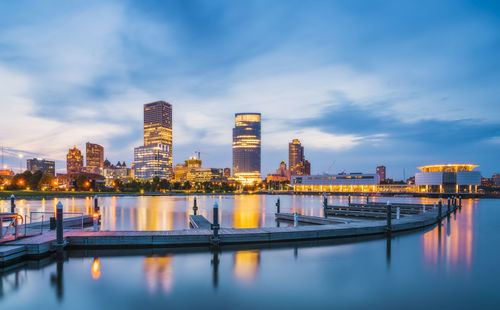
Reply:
x=422, y=93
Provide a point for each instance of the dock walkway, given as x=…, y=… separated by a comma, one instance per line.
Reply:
x=199, y=222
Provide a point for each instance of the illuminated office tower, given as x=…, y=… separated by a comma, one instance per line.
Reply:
x=152, y=161
x=246, y=147
x=74, y=161
x=94, y=157
x=381, y=173
x=297, y=163
x=38, y=164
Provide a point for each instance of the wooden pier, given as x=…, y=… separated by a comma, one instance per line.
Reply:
x=199, y=222
x=202, y=235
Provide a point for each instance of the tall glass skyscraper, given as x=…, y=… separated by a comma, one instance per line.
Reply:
x=246, y=147
x=155, y=157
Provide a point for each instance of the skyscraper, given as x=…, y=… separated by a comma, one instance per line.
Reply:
x=381, y=173
x=74, y=161
x=155, y=157
x=95, y=157
x=297, y=163
x=45, y=166
x=246, y=147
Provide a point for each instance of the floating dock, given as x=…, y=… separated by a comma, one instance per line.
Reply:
x=202, y=235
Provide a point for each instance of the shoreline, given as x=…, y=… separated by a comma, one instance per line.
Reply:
x=35, y=195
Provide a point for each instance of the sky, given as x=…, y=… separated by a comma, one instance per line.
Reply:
x=359, y=83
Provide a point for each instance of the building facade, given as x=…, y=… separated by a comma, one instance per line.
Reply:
x=152, y=161
x=154, y=158
x=74, y=161
x=193, y=172
x=94, y=158
x=448, y=178
x=352, y=182
x=381, y=173
x=282, y=174
x=297, y=163
x=38, y=164
x=247, y=148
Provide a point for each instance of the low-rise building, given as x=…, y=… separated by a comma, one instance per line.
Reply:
x=343, y=182
x=448, y=178
x=193, y=172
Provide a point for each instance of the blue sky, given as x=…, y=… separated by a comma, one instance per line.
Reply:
x=360, y=83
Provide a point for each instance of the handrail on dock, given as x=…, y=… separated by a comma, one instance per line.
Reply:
x=12, y=223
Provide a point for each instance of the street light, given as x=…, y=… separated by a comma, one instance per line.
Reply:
x=20, y=163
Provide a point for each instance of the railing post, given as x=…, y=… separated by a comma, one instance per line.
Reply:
x=95, y=217
x=12, y=203
x=460, y=202
x=295, y=219
x=367, y=199
x=278, y=205
x=349, y=201
x=195, y=206
x=59, y=224
x=215, y=226
x=398, y=213
x=389, y=216
x=423, y=208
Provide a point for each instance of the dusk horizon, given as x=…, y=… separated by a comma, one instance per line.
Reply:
x=360, y=85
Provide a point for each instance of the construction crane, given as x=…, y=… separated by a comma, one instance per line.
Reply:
x=331, y=166
x=198, y=153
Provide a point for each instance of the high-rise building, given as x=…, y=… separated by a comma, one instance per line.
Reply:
x=246, y=147
x=38, y=164
x=95, y=157
x=154, y=159
x=74, y=161
x=381, y=173
x=296, y=159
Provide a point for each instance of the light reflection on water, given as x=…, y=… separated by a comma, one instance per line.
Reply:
x=445, y=264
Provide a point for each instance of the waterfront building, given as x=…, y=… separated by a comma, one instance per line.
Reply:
x=344, y=182
x=6, y=173
x=247, y=148
x=116, y=172
x=448, y=178
x=227, y=172
x=282, y=174
x=74, y=161
x=38, y=164
x=193, y=172
x=496, y=179
x=296, y=159
x=152, y=161
x=94, y=158
x=381, y=173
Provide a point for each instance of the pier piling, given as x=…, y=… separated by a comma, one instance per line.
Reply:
x=449, y=206
x=325, y=204
x=96, y=204
x=349, y=200
x=389, y=216
x=295, y=219
x=278, y=205
x=215, y=226
x=398, y=213
x=440, y=210
x=195, y=207
x=12, y=203
x=460, y=202
x=59, y=224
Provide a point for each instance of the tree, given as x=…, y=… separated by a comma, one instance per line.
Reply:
x=46, y=180
x=82, y=182
x=34, y=181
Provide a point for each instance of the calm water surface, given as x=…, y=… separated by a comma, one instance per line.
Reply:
x=455, y=266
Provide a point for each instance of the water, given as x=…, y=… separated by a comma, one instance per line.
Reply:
x=452, y=267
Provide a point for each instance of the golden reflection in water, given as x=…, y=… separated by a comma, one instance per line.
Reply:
x=158, y=272
x=246, y=211
x=452, y=243
x=154, y=213
x=246, y=265
x=96, y=269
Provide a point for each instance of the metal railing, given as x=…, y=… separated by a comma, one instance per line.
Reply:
x=45, y=219
x=11, y=230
